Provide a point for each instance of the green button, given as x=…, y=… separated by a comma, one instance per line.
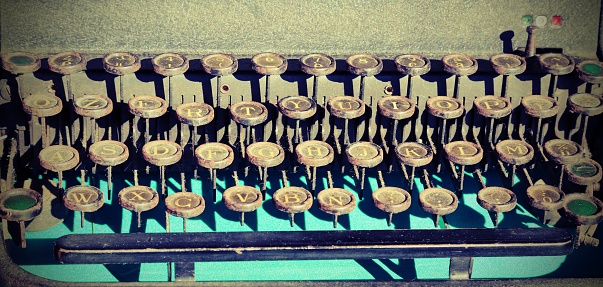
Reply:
x=582, y=207
x=527, y=20
x=19, y=202
x=593, y=69
x=21, y=60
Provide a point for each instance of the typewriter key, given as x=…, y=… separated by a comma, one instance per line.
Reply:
x=170, y=64
x=546, y=198
x=59, y=158
x=268, y=64
x=459, y=65
x=18, y=63
x=540, y=107
x=314, y=154
x=93, y=107
x=108, y=153
x=514, y=153
x=317, y=65
x=242, y=199
x=219, y=65
x=214, y=156
x=584, y=172
x=162, y=153
x=194, y=115
x=292, y=200
x=297, y=108
x=67, y=63
x=347, y=108
x=585, y=211
x=505, y=65
x=138, y=199
x=414, y=155
x=42, y=106
x=590, y=71
x=121, y=63
x=364, y=65
x=248, y=114
x=336, y=201
x=496, y=200
x=412, y=65
x=463, y=153
x=586, y=105
x=265, y=155
x=20, y=204
x=444, y=108
x=562, y=152
x=184, y=205
x=438, y=201
x=364, y=155
x=147, y=107
x=556, y=65
x=396, y=108
x=492, y=107
x=83, y=199
x=391, y=200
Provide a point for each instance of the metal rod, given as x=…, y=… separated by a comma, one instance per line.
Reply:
x=380, y=178
x=109, y=182
x=242, y=218
x=394, y=133
x=267, y=88
x=162, y=172
x=284, y=177
x=291, y=219
x=147, y=132
x=389, y=219
x=462, y=177
x=362, y=174
x=411, y=180
x=426, y=178
x=264, y=179
x=183, y=181
x=346, y=137
x=457, y=87
x=335, y=220
x=297, y=132
x=22, y=234
x=505, y=86
x=480, y=178
x=313, y=179
x=561, y=176
x=361, y=93
x=218, y=84
x=315, y=89
x=329, y=179
x=44, y=132
x=409, y=88
x=82, y=219
x=525, y=171
x=513, y=168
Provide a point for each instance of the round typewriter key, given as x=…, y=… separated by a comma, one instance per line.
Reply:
x=20, y=204
x=195, y=114
x=445, y=107
x=540, y=106
x=121, y=63
x=248, y=113
x=438, y=201
x=391, y=200
x=269, y=64
x=292, y=200
x=138, y=199
x=59, y=158
x=147, y=106
x=108, y=153
x=242, y=199
x=586, y=104
x=219, y=64
x=346, y=107
x=590, y=71
x=265, y=155
x=364, y=154
x=515, y=152
x=83, y=199
x=314, y=154
x=492, y=106
x=563, y=151
x=556, y=64
x=162, y=153
x=297, y=107
x=412, y=64
x=93, y=106
x=214, y=156
x=67, y=63
x=459, y=64
x=414, y=155
x=336, y=201
x=170, y=64
x=584, y=172
x=364, y=65
x=545, y=197
x=20, y=63
x=317, y=64
x=184, y=205
x=43, y=106
x=508, y=64
x=582, y=209
x=496, y=200
x=396, y=107
x=463, y=152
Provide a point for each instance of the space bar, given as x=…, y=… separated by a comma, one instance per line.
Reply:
x=310, y=245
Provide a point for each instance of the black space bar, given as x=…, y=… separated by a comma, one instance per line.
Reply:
x=304, y=245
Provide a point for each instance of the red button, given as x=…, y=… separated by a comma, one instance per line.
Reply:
x=556, y=20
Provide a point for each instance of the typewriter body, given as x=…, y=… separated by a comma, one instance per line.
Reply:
x=318, y=143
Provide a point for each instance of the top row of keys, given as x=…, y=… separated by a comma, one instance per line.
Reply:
x=171, y=64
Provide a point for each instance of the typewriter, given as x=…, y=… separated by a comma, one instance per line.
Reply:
x=301, y=143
